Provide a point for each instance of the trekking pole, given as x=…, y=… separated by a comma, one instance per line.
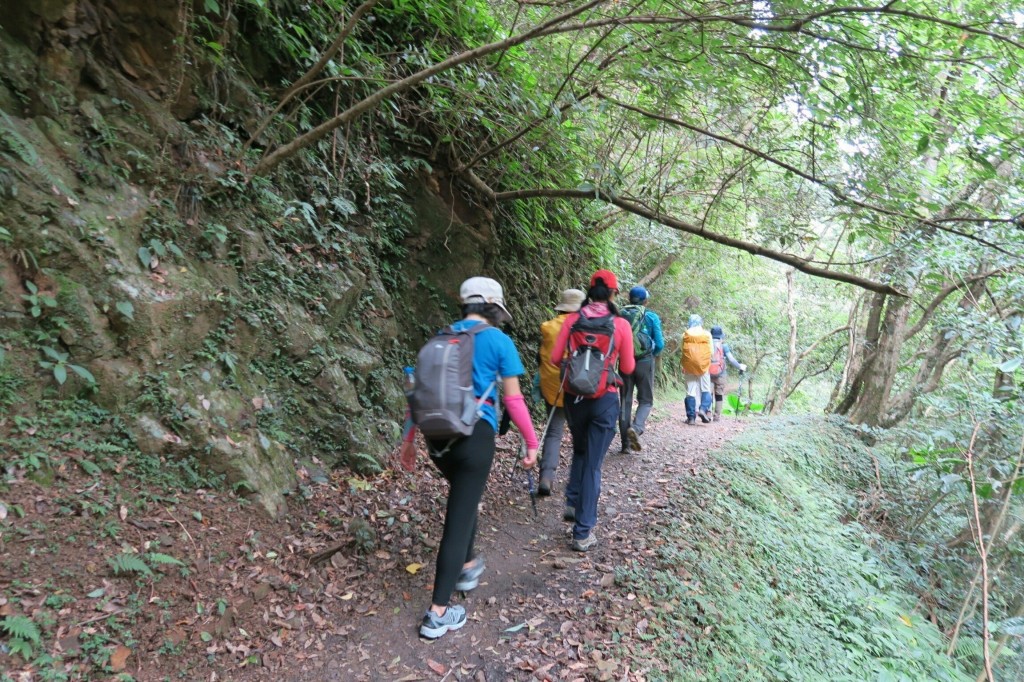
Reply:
x=530, y=483
x=739, y=396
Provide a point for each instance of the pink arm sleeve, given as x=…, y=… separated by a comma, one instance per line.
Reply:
x=409, y=428
x=558, y=351
x=624, y=341
x=516, y=407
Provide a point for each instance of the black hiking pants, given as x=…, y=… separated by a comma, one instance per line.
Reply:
x=466, y=466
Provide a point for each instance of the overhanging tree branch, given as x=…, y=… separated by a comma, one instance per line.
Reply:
x=330, y=52
x=836, y=192
x=801, y=264
x=553, y=25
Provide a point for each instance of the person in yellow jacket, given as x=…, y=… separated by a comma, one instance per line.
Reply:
x=551, y=388
x=696, y=360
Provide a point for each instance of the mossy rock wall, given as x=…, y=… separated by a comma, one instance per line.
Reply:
x=185, y=292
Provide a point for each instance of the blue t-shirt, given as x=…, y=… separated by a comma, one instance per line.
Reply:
x=494, y=356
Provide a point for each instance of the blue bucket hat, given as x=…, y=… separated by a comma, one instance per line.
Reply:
x=695, y=321
x=716, y=332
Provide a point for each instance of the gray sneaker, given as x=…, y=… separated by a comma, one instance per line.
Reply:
x=584, y=544
x=470, y=577
x=433, y=625
x=569, y=514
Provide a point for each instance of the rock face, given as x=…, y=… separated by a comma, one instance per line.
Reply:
x=244, y=325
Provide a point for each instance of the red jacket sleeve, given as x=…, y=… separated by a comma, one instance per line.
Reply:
x=624, y=342
x=558, y=350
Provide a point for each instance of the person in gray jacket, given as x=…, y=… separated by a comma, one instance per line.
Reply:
x=721, y=357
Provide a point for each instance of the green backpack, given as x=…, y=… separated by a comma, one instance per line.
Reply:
x=643, y=344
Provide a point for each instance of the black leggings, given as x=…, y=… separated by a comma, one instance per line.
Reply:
x=466, y=465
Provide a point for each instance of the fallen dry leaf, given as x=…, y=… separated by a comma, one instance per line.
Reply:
x=119, y=657
x=438, y=668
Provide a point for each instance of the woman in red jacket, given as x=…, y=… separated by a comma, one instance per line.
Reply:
x=592, y=418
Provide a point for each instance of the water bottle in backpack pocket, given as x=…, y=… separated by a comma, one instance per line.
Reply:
x=588, y=371
x=442, y=401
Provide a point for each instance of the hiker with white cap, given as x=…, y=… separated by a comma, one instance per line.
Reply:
x=551, y=388
x=453, y=403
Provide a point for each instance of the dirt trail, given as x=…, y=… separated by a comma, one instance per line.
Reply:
x=565, y=602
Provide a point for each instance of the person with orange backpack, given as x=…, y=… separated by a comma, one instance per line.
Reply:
x=551, y=388
x=720, y=355
x=696, y=361
x=588, y=347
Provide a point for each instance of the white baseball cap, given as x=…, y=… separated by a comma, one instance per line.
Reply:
x=483, y=290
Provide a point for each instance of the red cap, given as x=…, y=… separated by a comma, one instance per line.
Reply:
x=609, y=279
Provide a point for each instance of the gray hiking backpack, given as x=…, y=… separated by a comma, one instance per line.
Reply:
x=442, y=402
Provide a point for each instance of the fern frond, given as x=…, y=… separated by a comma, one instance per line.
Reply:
x=364, y=463
x=129, y=563
x=21, y=627
x=969, y=650
x=16, y=142
x=157, y=558
x=26, y=151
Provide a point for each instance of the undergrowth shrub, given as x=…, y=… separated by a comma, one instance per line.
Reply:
x=771, y=572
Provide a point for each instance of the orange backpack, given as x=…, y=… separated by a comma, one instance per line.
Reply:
x=696, y=351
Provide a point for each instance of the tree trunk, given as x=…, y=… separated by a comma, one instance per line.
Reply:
x=774, y=404
x=875, y=379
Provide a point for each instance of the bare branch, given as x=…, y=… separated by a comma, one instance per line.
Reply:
x=329, y=53
x=944, y=293
x=821, y=339
x=798, y=262
x=271, y=160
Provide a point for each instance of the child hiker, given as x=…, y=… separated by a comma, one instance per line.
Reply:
x=465, y=460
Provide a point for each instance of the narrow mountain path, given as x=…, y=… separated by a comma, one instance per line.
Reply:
x=541, y=611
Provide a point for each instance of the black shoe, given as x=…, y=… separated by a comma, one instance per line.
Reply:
x=569, y=514
x=691, y=420
x=544, y=487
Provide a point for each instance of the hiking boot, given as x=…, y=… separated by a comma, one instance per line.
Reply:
x=569, y=514
x=634, y=439
x=470, y=577
x=584, y=544
x=703, y=414
x=544, y=487
x=691, y=420
x=433, y=625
